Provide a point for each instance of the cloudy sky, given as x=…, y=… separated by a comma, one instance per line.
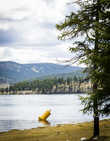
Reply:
x=28, y=33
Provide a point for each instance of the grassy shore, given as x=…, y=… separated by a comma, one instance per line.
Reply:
x=69, y=132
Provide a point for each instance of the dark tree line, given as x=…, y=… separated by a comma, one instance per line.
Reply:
x=51, y=85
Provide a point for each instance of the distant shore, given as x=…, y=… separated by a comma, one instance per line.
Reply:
x=34, y=93
x=67, y=132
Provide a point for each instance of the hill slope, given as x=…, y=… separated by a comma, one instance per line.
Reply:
x=15, y=72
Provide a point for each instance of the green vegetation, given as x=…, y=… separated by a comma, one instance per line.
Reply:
x=91, y=23
x=58, y=133
x=50, y=85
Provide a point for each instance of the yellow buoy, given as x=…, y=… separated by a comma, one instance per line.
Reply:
x=45, y=115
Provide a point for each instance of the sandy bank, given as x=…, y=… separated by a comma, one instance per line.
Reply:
x=69, y=132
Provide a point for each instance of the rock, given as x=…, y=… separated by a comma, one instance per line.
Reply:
x=95, y=138
x=83, y=139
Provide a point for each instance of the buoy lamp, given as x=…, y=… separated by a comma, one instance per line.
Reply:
x=44, y=116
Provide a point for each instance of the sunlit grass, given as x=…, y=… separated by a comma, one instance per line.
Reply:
x=69, y=132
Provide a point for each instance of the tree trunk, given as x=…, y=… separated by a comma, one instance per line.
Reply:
x=96, y=115
x=95, y=85
x=96, y=126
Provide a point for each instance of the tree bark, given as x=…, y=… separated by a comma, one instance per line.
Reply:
x=96, y=114
x=95, y=85
x=96, y=126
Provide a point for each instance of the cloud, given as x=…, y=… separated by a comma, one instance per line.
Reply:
x=28, y=32
x=35, y=55
x=8, y=37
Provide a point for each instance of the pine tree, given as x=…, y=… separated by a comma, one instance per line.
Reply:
x=88, y=29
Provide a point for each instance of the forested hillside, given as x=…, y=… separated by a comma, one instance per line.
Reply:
x=14, y=72
x=50, y=86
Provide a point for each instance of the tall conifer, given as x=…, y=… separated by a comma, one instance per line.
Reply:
x=88, y=29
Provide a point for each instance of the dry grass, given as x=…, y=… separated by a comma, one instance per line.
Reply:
x=58, y=133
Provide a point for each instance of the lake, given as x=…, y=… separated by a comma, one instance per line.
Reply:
x=22, y=111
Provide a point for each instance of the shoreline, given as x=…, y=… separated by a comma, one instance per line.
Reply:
x=46, y=94
x=60, y=132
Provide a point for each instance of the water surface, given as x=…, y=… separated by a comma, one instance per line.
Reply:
x=22, y=111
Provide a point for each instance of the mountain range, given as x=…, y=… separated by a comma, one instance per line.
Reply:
x=15, y=72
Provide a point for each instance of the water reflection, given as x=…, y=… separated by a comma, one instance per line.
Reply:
x=6, y=125
x=44, y=122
